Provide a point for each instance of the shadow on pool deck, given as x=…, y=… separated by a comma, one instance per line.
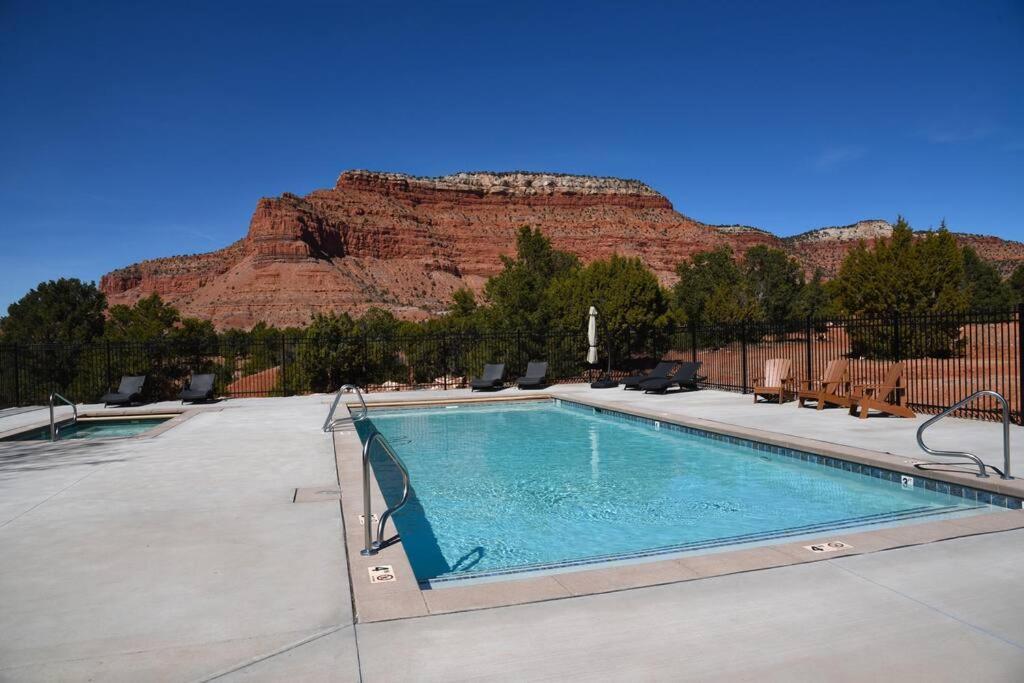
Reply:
x=37, y=456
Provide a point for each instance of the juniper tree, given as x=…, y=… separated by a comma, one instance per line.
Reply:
x=52, y=326
x=516, y=295
x=775, y=280
x=700, y=276
x=985, y=289
x=1016, y=283
x=904, y=276
x=626, y=293
x=66, y=311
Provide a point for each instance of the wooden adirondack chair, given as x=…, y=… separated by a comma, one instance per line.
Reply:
x=889, y=397
x=833, y=387
x=777, y=380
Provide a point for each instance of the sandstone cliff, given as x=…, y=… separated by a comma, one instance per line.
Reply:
x=406, y=243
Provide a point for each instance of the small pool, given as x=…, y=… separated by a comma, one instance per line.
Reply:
x=95, y=428
x=499, y=490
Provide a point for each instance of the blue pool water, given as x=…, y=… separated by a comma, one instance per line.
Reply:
x=93, y=429
x=537, y=485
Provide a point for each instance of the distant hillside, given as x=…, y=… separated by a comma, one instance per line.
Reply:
x=406, y=243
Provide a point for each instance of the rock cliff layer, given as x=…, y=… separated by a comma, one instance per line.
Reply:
x=406, y=243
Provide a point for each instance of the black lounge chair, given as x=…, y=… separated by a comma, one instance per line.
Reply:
x=200, y=388
x=128, y=392
x=660, y=371
x=493, y=377
x=536, y=375
x=685, y=376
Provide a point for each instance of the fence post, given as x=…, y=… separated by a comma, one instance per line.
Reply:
x=1020, y=363
x=366, y=357
x=444, y=361
x=896, y=346
x=693, y=341
x=284, y=367
x=108, y=364
x=17, y=377
x=810, y=361
x=519, y=351
x=743, y=356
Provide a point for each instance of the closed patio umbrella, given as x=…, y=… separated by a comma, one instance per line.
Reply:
x=592, y=336
x=605, y=382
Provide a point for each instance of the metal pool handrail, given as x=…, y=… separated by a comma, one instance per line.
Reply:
x=329, y=422
x=961, y=454
x=372, y=546
x=54, y=429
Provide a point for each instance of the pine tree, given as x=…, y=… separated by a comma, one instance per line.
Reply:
x=904, y=276
x=1016, y=283
x=65, y=312
x=815, y=301
x=625, y=292
x=986, y=290
x=150, y=319
x=938, y=274
x=59, y=311
x=775, y=281
x=699, y=278
x=516, y=294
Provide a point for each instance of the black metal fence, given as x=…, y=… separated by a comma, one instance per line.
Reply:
x=282, y=366
x=947, y=358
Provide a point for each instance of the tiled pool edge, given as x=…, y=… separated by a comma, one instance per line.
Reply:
x=880, y=459
x=405, y=598
x=682, y=550
x=921, y=481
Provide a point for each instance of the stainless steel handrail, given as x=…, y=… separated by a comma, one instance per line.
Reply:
x=329, y=422
x=54, y=427
x=961, y=454
x=372, y=546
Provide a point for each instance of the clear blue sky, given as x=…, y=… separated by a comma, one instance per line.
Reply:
x=145, y=130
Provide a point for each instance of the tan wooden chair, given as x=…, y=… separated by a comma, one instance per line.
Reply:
x=833, y=387
x=889, y=397
x=777, y=381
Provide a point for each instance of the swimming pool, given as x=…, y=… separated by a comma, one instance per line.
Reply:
x=86, y=428
x=524, y=487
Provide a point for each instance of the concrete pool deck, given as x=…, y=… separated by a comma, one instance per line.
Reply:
x=182, y=557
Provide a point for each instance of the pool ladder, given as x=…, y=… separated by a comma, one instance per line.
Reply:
x=970, y=456
x=54, y=426
x=331, y=421
x=370, y=545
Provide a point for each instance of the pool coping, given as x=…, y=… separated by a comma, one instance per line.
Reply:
x=405, y=597
x=114, y=413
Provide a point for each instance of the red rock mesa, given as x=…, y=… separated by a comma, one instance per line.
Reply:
x=406, y=243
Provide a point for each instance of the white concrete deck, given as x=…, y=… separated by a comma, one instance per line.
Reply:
x=182, y=557
x=175, y=557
